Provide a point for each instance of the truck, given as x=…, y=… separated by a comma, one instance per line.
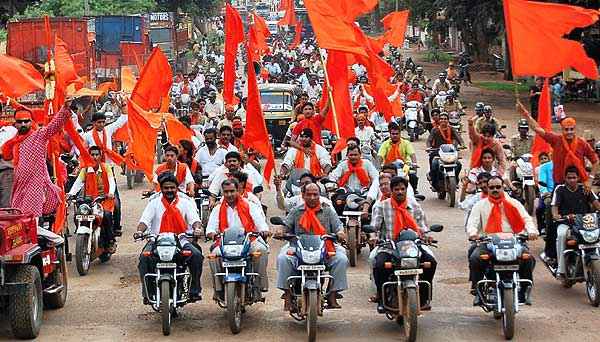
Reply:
x=27, y=41
x=170, y=32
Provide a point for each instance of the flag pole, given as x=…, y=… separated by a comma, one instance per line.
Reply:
x=330, y=93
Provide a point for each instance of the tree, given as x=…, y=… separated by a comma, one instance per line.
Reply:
x=76, y=8
x=195, y=8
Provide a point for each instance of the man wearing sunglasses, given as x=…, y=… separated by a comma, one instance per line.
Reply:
x=568, y=149
x=495, y=214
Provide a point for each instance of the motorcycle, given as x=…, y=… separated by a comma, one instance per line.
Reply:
x=448, y=176
x=498, y=291
x=455, y=121
x=240, y=280
x=310, y=287
x=172, y=279
x=33, y=272
x=525, y=180
x=201, y=198
x=329, y=140
x=400, y=293
x=88, y=224
x=412, y=116
x=582, y=255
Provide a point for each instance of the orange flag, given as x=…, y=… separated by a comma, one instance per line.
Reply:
x=297, y=36
x=127, y=79
x=545, y=121
x=255, y=134
x=154, y=83
x=395, y=26
x=105, y=87
x=354, y=8
x=332, y=29
x=176, y=130
x=289, y=19
x=18, y=77
x=143, y=138
x=65, y=67
x=535, y=33
x=234, y=35
x=258, y=34
x=337, y=72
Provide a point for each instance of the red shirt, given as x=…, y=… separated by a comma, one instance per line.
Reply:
x=582, y=151
x=315, y=123
x=415, y=95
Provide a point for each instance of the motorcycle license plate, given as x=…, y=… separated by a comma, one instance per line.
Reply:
x=166, y=265
x=408, y=272
x=85, y=217
x=450, y=173
x=506, y=267
x=311, y=267
x=240, y=263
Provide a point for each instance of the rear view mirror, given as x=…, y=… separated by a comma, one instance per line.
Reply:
x=436, y=228
x=276, y=220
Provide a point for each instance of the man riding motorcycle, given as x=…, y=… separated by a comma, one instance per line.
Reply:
x=420, y=76
x=520, y=144
x=236, y=212
x=290, y=202
x=311, y=156
x=443, y=134
x=355, y=173
x=314, y=218
x=397, y=148
x=485, y=140
x=441, y=84
x=170, y=212
x=211, y=155
x=98, y=180
x=180, y=170
x=498, y=213
x=390, y=217
x=569, y=199
x=233, y=163
x=416, y=93
x=452, y=104
x=487, y=118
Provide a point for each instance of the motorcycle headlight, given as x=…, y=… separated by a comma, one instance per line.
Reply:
x=448, y=157
x=84, y=209
x=311, y=257
x=409, y=250
x=232, y=250
x=590, y=236
x=409, y=262
x=166, y=253
x=509, y=254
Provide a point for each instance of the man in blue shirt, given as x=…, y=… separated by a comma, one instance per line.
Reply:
x=542, y=212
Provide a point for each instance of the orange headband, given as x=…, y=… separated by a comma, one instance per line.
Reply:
x=568, y=122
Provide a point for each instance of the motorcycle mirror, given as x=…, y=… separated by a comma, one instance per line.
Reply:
x=276, y=220
x=436, y=228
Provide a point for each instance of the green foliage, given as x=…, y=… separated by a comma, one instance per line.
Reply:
x=435, y=55
x=76, y=8
x=196, y=8
x=3, y=35
x=503, y=86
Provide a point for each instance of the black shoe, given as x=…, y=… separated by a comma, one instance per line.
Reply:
x=146, y=301
x=380, y=309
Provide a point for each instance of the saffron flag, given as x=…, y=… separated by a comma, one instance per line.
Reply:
x=298, y=36
x=18, y=77
x=255, y=134
x=395, y=27
x=535, y=33
x=234, y=35
x=337, y=73
x=332, y=29
x=127, y=79
x=176, y=130
x=545, y=121
x=142, y=138
x=154, y=83
x=258, y=34
x=354, y=8
x=289, y=19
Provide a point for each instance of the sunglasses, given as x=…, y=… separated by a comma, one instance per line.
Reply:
x=22, y=121
x=495, y=187
x=95, y=154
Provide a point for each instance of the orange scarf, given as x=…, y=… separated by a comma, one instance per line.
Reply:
x=172, y=220
x=243, y=210
x=494, y=223
x=446, y=134
x=179, y=174
x=402, y=218
x=394, y=153
x=310, y=222
x=360, y=172
x=315, y=166
x=571, y=157
x=91, y=187
x=114, y=156
x=194, y=165
x=10, y=150
x=477, y=152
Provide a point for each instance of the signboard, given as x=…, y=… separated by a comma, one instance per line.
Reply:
x=160, y=19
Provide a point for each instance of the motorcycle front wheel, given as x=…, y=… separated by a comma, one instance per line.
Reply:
x=165, y=306
x=352, y=246
x=234, y=308
x=82, y=254
x=409, y=314
x=508, y=317
x=529, y=195
x=593, y=283
x=313, y=311
x=451, y=190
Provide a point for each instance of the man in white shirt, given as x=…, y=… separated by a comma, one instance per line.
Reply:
x=180, y=170
x=498, y=213
x=233, y=163
x=364, y=133
x=290, y=202
x=210, y=156
x=170, y=212
x=246, y=216
x=355, y=173
x=6, y=167
x=314, y=157
x=214, y=107
x=101, y=135
x=314, y=90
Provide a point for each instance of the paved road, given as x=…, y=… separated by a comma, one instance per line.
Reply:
x=106, y=305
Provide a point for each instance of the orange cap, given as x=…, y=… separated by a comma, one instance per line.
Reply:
x=23, y=114
x=568, y=122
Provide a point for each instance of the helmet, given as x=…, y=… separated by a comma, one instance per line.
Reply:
x=479, y=107
x=487, y=109
x=419, y=69
x=523, y=124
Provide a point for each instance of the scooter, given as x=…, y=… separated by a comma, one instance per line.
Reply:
x=582, y=255
x=447, y=187
x=412, y=115
x=499, y=290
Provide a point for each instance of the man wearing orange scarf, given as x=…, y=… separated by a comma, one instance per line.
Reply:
x=396, y=148
x=355, y=173
x=390, y=218
x=443, y=134
x=98, y=180
x=170, y=212
x=568, y=149
x=314, y=218
x=180, y=170
x=236, y=212
x=312, y=157
x=485, y=140
x=498, y=213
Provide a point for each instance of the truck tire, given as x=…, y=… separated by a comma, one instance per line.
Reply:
x=25, y=310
